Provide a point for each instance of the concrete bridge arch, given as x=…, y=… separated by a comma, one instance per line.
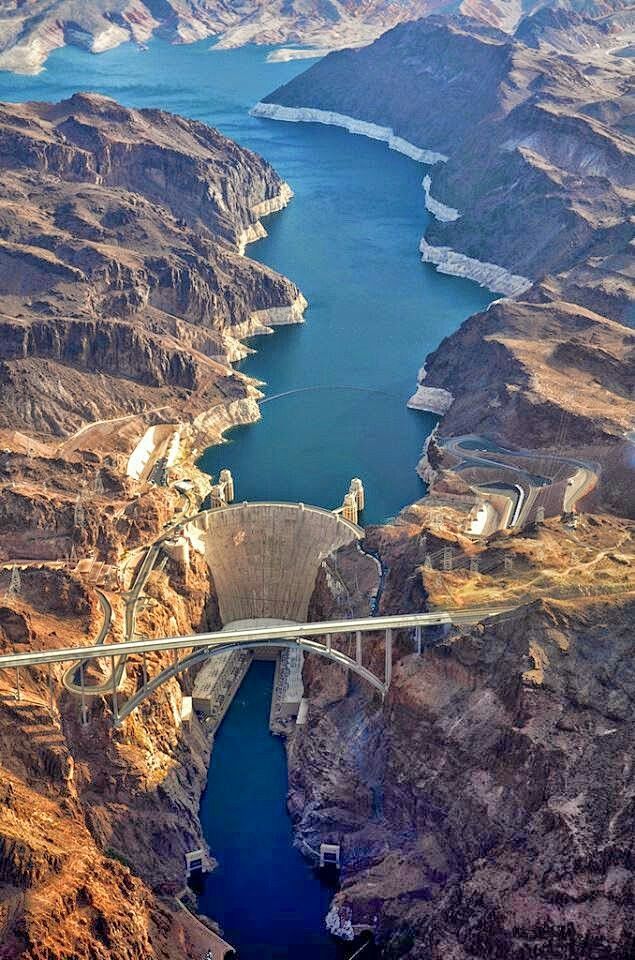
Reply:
x=198, y=657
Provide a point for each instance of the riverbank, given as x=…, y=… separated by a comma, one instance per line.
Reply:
x=489, y=275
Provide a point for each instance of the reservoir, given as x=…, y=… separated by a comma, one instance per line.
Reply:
x=349, y=239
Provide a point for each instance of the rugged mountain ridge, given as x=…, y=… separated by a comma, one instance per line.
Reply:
x=121, y=270
x=29, y=32
x=124, y=292
x=524, y=137
x=27, y=37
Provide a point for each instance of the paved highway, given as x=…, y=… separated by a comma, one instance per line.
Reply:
x=257, y=635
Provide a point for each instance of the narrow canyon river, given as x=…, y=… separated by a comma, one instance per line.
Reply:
x=349, y=240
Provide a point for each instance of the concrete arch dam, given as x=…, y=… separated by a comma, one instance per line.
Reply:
x=264, y=558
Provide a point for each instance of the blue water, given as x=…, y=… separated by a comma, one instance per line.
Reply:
x=260, y=891
x=349, y=240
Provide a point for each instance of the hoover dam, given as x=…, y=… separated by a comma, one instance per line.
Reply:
x=264, y=557
x=179, y=582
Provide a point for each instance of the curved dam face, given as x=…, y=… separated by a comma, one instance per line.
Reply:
x=264, y=557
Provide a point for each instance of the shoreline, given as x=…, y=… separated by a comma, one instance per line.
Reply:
x=276, y=111
x=486, y=274
x=446, y=260
x=440, y=211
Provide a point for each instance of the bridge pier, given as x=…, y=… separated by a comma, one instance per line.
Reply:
x=50, y=686
x=115, y=705
x=84, y=712
x=309, y=637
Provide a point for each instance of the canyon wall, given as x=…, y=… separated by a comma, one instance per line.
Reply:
x=525, y=137
x=484, y=809
x=124, y=292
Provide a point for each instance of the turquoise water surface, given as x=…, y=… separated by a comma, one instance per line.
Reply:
x=263, y=885
x=349, y=240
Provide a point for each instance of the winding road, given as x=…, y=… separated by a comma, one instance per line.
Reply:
x=580, y=483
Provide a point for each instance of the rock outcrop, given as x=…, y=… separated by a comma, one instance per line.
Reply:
x=484, y=810
x=525, y=137
x=548, y=376
x=121, y=278
x=124, y=293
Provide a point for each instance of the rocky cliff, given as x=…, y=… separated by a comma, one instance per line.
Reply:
x=121, y=273
x=485, y=809
x=528, y=136
x=94, y=824
x=124, y=292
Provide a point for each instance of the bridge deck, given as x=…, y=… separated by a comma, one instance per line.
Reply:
x=253, y=635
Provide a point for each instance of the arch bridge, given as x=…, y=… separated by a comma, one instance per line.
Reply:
x=263, y=560
x=316, y=637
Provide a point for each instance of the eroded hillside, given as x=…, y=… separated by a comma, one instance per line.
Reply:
x=124, y=291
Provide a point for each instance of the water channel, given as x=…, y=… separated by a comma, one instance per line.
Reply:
x=349, y=240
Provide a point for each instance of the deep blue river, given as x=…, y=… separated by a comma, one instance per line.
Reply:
x=349, y=240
